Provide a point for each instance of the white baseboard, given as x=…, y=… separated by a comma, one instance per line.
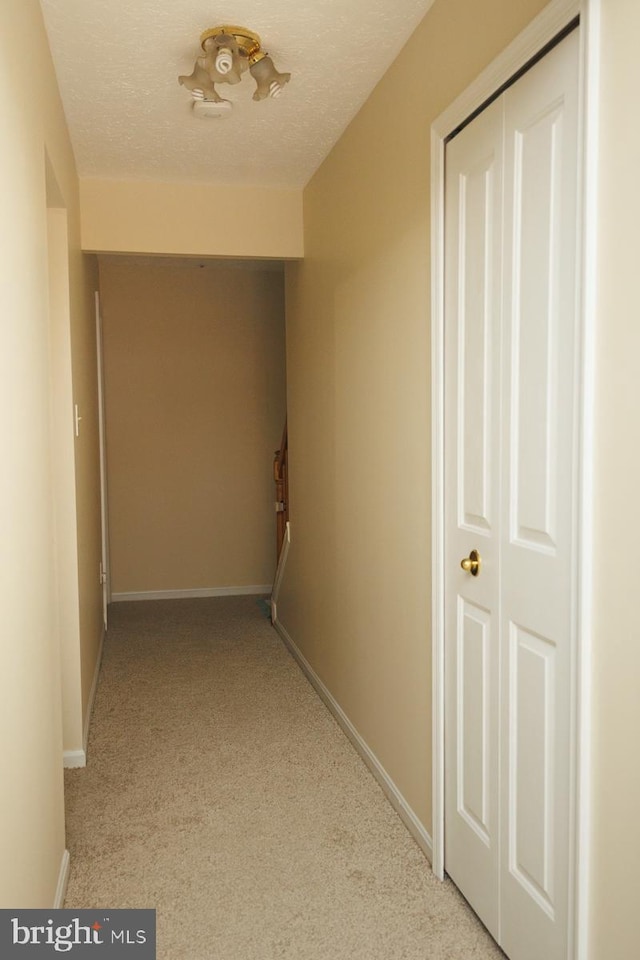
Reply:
x=256, y=588
x=71, y=759
x=399, y=804
x=282, y=562
x=63, y=879
x=92, y=693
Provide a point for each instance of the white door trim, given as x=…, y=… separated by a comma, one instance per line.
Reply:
x=542, y=30
x=105, y=571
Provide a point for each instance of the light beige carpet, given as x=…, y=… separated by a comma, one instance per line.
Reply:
x=221, y=791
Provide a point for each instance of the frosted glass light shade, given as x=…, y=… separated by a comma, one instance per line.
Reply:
x=224, y=63
x=200, y=84
x=269, y=83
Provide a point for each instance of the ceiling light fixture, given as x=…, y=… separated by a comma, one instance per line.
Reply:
x=228, y=53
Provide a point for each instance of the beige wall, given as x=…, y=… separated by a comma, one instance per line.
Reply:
x=191, y=219
x=195, y=397
x=82, y=283
x=616, y=668
x=356, y=592
x=31, y=744
x=63, y=486
x=356, y=596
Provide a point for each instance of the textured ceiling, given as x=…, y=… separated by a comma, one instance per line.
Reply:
x=117, y=63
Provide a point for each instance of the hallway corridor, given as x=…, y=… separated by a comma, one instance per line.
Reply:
x=220, y=791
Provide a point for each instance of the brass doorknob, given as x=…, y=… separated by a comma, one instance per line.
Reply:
x=472, y=563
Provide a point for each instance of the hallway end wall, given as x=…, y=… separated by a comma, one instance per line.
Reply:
x=195, y=404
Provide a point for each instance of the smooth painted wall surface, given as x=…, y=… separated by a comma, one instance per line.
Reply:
x=31, y=741
x=357, y=586
x=195, y=405
x=63, y=479
x=190, y=219
x=81, y=282
x=616, y=638
x=356, y=594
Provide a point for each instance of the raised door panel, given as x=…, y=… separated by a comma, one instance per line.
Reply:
x=473, y=726
x=532, y=682
x=475, y=292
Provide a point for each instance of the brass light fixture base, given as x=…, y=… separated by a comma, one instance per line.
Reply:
x=247, y=40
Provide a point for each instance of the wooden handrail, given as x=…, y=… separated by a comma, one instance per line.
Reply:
x=281, y=479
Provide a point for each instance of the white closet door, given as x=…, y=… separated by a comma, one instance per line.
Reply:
x=510, y=484
x=538, y=510
x=472, y=498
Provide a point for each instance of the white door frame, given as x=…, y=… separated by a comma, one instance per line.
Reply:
x=543, y=29
x=105, y=564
